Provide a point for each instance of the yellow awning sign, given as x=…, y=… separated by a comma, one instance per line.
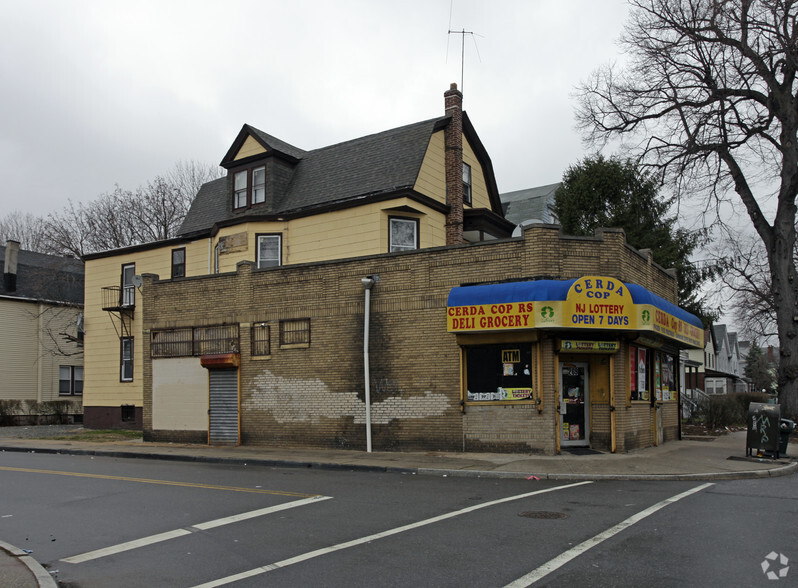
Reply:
x=587, y=303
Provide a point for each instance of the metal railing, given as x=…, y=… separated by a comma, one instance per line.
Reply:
x=118, y=297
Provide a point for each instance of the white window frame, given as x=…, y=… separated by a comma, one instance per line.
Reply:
x=72, y=374
x=259, y=187
x=270, y=262
x=128, y=289
x=395, y=221
x=240, y=182
x=126, y=356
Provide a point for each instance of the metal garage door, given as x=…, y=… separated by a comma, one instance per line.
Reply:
x=223, y=407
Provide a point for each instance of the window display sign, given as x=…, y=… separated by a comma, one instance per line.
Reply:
x=498, y=373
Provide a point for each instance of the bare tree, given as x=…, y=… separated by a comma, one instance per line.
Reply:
x=709, y=96
x=24, y=227
x=123, y=218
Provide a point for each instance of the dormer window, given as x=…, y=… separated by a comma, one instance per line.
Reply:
x=249, y=187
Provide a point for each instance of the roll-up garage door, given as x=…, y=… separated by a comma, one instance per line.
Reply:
x=223, y=407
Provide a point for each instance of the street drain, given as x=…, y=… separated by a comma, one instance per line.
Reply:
x=542, y=514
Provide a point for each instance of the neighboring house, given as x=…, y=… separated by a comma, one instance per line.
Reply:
x=723, y=374
x=427, y=184
x=250, y=326
x=41, y=353
x=531, y=205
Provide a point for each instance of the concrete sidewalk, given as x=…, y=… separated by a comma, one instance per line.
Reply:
x=717, y=459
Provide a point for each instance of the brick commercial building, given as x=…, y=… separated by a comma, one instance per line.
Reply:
x=249, y=327
x=287, y=342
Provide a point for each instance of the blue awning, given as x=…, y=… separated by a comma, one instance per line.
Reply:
x=545, y=290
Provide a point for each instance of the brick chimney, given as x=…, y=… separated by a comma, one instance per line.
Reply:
x=10, y=267
x=453, y=138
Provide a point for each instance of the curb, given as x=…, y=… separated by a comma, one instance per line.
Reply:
x=742, y=475
x=43, y=578
x=281, y=463
x=462, y=473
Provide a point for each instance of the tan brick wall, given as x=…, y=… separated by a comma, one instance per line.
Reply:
x=314, y=396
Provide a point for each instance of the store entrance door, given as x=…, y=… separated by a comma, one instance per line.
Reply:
x=574, y=404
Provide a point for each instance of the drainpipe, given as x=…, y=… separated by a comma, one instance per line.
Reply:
x=368, y=282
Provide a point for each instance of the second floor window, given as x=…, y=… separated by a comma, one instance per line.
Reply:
x=179, y=262
x=249, y=187
x=128, y=289
x=403, y=234
x=269, y=250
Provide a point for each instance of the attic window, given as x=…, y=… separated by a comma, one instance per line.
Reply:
x=249, y=187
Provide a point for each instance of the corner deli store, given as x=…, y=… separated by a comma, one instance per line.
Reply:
x=602, y=353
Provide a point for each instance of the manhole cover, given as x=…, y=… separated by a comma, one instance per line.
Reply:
x=542, y=514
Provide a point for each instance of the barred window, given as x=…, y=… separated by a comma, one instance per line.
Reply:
x=218, y=339
x=172, y=343
x=295, y=332
x=260, y=339
x=188, y=341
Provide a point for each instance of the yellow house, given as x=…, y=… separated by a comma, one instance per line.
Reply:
x=423, y=185
x=41, y=357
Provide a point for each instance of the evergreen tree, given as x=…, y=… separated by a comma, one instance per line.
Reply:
x=599, y=192
x=759, y=370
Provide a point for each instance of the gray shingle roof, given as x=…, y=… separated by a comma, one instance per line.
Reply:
x=367, y=166
x=529, y=204
x=45, y=277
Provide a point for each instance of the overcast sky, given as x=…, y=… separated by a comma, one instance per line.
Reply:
x=98, y=93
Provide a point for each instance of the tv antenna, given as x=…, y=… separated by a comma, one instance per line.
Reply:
x=462, y=34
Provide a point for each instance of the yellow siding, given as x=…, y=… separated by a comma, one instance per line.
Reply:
x=250, y=147
x=336, y=235
x=29, y=359
x=18, y=350
x=479, y=187
x=102, y=347
x=431, y=179
x=198, y=257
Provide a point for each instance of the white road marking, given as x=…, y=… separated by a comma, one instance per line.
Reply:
x=98, y=553
x=575, y=552
x=325, y=550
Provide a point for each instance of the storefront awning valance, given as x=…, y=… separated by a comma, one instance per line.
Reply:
x=590, y=302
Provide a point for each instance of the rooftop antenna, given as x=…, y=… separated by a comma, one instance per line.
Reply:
x=462, y=34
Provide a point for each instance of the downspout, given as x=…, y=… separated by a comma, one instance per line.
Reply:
x=210, y=255
x=368, y=282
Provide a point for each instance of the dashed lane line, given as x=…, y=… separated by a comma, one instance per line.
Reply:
x=324, y=551
x=567, y=556
x=144, y=541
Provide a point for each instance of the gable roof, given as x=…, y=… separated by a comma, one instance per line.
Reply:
x=267, y=141
x=45, y=277
x=380, y=164
x=530, y=204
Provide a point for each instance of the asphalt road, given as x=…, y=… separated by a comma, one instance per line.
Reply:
x=115, y=522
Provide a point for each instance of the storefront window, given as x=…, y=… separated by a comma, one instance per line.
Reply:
x=498, y=372
x=665, y=377
x=638, y=370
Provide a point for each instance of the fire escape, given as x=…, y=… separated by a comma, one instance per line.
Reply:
x=120, y=303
